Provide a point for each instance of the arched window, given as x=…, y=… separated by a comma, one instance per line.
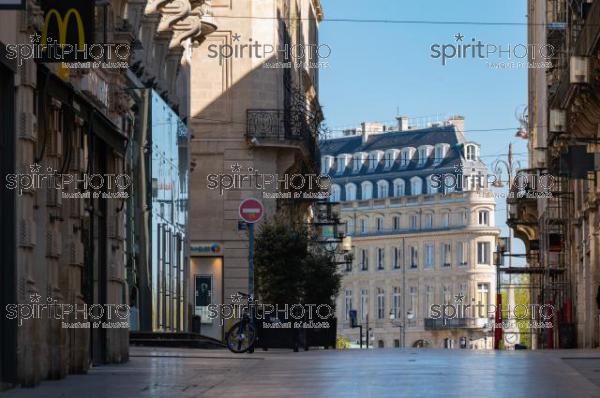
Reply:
x=383, y=189
x=430, y=187
x=416, y=186
x=350, y=192
x=336, y=193
x=367, y=190
x=399, y=187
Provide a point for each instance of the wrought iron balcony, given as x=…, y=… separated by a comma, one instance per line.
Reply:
x=278, y=127
x=455, y=323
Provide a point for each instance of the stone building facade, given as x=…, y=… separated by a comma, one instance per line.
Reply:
x=422, y=234
x=253, y=111
x=68, y=247
x=560, y=229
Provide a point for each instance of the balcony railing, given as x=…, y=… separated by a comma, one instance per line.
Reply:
x=455, y=323
x=402, y=231
x=266, y=127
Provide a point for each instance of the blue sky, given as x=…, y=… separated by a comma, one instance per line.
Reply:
x=376, y=69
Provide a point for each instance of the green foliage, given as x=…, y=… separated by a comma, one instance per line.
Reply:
x=288, y=271
x=522, y=297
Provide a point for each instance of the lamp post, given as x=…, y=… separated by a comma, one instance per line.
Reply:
x=402, y=324
x=510, y=167
x=400, y=327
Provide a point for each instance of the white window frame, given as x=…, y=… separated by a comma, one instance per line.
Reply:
x=383, y=189
x=379, y=224
x=347, y=303
x=364, y=303
x=397, y=257
x=428, y=221
x=413, y=220
x=483, y=217
x=399, y=187
x=413, y=252
x=336, y=193
x=462, y=253
x=396, y=304
x=350, y=192
x=429, y=254
x=366, y=190
x=396, y=223
x=483, y=253
x=416, y=186
x=446, y=256
x=380, y=258
x=364, y=259
x=380, y=303
x=364, y=225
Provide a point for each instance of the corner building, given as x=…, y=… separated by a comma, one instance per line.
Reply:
x=417, y=243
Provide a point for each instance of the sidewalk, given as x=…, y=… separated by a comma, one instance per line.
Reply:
x=168, y=372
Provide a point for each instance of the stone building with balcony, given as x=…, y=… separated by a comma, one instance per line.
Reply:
x=252, y=113
x=560, y=230
x=423, y=234
x=72, y=244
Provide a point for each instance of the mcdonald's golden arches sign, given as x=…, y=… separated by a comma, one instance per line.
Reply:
x=71, y=24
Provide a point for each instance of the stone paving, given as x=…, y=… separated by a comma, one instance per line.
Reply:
x=411, y=373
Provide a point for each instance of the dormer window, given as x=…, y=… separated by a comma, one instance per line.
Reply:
x=471, y=152
x=406, y=156
x=342, y=163
x=424, y=152
x=374, y=159
x=358, y=161
x=326, y=163
x=440, y=153
x=390, y=158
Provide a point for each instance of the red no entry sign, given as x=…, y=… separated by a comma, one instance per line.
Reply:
x=251, y=210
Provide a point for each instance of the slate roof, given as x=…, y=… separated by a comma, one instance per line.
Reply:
x=389, y=140
x=397, y=140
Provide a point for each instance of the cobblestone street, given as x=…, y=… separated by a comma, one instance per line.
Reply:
x=375, y=373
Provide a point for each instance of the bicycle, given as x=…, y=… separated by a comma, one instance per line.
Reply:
x=242, y=335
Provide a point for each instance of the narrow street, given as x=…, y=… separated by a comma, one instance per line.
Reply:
x=409, y=373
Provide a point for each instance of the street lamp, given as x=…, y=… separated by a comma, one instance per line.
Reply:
x=410, y=315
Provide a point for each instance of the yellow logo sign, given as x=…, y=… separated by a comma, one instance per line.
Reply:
x=63, y=24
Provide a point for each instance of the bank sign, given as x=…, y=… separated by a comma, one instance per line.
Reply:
x=68, y=29
x=206, y=249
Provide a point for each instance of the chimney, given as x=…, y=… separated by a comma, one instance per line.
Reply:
x=402, y=123
x=365, y=132
x=458, y=122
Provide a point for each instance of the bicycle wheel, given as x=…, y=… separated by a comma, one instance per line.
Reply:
x=240, y=338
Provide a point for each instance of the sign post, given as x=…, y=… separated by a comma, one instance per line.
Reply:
x=251, y=211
